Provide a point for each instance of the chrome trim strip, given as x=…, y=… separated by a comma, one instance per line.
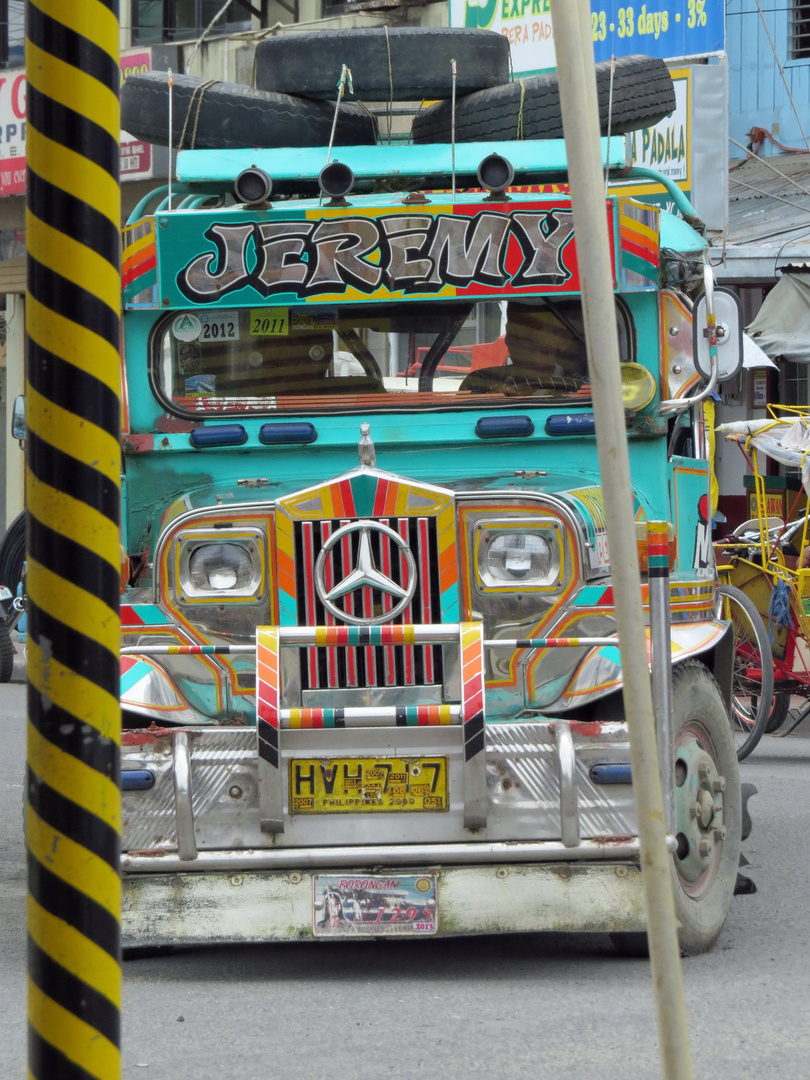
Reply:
x=471, y=854
x=569, y=805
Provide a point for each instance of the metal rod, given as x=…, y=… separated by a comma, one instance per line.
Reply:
x=301, y=635
x=571, y=22
x=473, y=854
x=569, y=803
x=183, y=809
x=661, y=659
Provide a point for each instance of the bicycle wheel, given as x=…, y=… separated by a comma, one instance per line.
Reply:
x=752, y=676
x=778, y=714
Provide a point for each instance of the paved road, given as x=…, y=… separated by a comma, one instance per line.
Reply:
x=551, y=1006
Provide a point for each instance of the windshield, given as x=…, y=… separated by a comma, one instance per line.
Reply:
x=404, y=354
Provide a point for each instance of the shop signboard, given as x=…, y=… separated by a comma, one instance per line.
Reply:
x=670, y=29
x=138, y=158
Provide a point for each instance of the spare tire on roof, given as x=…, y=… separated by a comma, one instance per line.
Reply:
x=642, y=94
x=399, y=63
x=224, y=116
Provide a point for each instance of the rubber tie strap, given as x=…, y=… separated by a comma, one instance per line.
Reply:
x=345, y=77
x=519, y=132
x=194, y=105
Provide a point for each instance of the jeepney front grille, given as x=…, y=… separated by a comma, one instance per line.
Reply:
x=369, y=666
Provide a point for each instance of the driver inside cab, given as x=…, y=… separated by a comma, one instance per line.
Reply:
x=545, y=342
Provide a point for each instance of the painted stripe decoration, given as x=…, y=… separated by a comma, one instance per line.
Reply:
x=638, y=229
x=73, y=499
x=392, y=715
x=185, y=650
x=472, y=688
x=657, y=549
x=268, y=693
x=547, y=642
x=387, y=634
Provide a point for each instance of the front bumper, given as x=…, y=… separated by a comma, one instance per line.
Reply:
x=223, y=906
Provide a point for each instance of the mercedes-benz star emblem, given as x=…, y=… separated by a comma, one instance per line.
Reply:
x=365, y=574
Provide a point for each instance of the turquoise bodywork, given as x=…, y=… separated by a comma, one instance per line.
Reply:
x=166, y=476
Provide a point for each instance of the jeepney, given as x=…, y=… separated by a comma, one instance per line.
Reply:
x=366, y=553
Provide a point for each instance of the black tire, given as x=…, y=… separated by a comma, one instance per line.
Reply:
x=643, y=94
x=6, y=655
x=12, y=554
x=224, y=116
x=752, y=673
x=778, y=714
x=400, y=63
x=708, y=805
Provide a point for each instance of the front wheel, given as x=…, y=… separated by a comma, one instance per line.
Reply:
x=752, y=672
x=708, y=814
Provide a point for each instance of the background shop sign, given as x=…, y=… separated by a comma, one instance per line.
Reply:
x=670, y=29
x=137, y=157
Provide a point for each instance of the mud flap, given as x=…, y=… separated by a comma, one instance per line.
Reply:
x=745, y=886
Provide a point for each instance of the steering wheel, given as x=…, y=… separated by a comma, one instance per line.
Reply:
x=514, y=381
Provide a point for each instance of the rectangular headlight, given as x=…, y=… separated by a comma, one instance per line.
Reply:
x=219, y=566
x=518, y=554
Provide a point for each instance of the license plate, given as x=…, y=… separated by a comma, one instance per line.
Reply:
x=394, y=904
x=368, y=785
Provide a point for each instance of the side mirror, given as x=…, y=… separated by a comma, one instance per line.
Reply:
x=728, y=313
x=18, y=430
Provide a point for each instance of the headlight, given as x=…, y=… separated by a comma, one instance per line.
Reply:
x=220, y=567
x=525, y=558
x=522, y=557
x=211, y=568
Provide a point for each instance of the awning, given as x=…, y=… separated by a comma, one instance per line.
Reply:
x=782, y=325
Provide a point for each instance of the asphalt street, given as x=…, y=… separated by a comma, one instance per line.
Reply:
x=523, y=1006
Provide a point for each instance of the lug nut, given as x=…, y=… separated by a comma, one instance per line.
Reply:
x=703, y=770
x=705, y=846
x=719, y=784
x=719, y=832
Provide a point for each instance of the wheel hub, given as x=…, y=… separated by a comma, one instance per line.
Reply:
x=699, y=817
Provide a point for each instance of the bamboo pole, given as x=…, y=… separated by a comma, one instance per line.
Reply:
x=571, y=21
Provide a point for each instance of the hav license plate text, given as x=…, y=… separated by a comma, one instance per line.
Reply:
x=393, y=904
x=367, y=785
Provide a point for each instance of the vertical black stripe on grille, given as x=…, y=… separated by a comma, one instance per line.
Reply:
x=365, y=665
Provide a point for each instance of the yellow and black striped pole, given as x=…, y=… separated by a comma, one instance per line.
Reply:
x=73, y=499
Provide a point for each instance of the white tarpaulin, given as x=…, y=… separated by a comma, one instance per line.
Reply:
x=782, y=325
x=786, y=441
x=753, y=356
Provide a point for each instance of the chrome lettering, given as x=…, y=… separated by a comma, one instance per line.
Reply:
x=340, y=244
x=199, y=283
x=279, y=246
x=460, y=259
x=542, y=236
x=406, y=235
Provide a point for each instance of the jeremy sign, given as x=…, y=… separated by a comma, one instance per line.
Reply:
x=396, y=254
